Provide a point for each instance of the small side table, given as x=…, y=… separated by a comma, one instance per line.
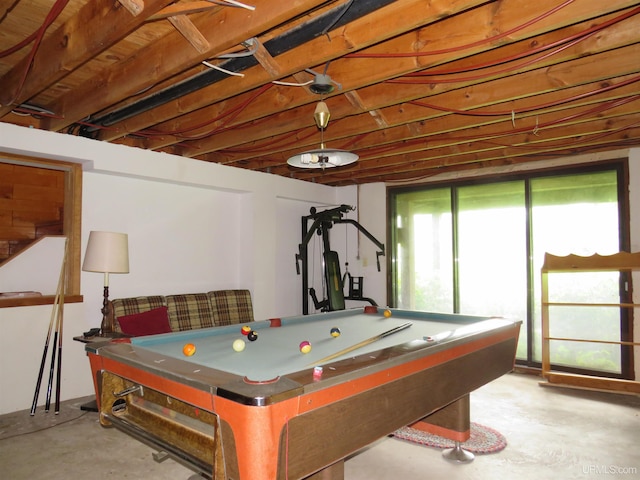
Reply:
x=92, y=406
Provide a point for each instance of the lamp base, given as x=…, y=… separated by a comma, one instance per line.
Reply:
x=105, y=326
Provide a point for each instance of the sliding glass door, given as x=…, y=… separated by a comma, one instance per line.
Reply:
x=478, y=249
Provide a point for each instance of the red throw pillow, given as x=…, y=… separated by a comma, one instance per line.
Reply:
x=146, y=323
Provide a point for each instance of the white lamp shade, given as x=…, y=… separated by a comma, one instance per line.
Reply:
x=107, y=252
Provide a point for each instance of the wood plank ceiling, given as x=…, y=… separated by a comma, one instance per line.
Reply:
x=419, y=86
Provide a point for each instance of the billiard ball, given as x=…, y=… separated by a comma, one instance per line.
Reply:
x=238, y=345
x=189, y=349
x=387, y=313
x=245, y=330
x=335, y=332
x=305, y=347
x=253, y=336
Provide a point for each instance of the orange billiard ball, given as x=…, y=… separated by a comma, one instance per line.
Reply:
x=189, y=349
x=387, y=313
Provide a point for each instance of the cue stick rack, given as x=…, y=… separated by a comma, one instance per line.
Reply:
x=321, y=224
x=622, y=262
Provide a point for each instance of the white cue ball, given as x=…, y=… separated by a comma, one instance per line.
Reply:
x=238, y=345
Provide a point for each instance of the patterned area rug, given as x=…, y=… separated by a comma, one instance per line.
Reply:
x=483, y=439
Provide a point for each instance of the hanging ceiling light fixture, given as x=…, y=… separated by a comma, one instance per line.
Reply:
x=322, y=157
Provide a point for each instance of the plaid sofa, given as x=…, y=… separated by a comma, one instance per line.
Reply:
x=189, y=310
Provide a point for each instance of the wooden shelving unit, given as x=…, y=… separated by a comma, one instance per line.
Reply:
x=621, y=262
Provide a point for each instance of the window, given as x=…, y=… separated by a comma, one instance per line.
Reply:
x=477, y=248
x=72, y=200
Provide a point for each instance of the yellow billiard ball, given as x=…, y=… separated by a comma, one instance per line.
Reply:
x=189, y=349
x=387, y=313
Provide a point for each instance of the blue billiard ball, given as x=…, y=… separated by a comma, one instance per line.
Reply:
x=335, y=332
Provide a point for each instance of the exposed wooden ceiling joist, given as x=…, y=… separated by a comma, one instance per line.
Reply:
x=419, y=87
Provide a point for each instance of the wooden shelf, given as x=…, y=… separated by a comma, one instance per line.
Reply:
x=588, y=382
x=39, y=300
x=582, y=304
x=620, y=262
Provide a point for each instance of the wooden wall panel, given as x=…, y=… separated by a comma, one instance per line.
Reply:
x=31, y=205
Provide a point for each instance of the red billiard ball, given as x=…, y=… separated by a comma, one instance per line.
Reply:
x=252, y=336
x=305, y=346
x=189, y=349
x=245, y=330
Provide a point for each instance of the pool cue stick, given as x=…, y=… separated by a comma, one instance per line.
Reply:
x=46, y=343
x=59, y=366
x=57, y=339
x=364, y=343
x=47, y=403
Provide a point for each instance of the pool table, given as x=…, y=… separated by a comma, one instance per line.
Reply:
x=272, y=412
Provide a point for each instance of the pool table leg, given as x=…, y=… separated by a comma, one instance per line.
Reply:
x=452, y=422
x=332, y=472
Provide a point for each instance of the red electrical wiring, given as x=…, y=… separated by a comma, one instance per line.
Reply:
x=271, y=143
x=232, y=113
x=278, y=141
x=467, y=46
x=563, y=44
x=36, y=37
x=483, y=113
x=584, y=138
x=592, y=111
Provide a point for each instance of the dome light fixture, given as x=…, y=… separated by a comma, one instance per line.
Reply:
x=322, y=157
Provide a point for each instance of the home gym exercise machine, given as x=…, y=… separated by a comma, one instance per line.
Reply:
x=322, y=223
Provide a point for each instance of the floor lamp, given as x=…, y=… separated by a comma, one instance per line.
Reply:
x=107, y=252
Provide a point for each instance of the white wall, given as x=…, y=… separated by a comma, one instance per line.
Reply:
x=45, y=254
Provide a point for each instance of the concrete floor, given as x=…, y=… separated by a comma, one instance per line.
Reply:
x=552, y=433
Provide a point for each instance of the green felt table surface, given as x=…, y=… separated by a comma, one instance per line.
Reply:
x=276, y=351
